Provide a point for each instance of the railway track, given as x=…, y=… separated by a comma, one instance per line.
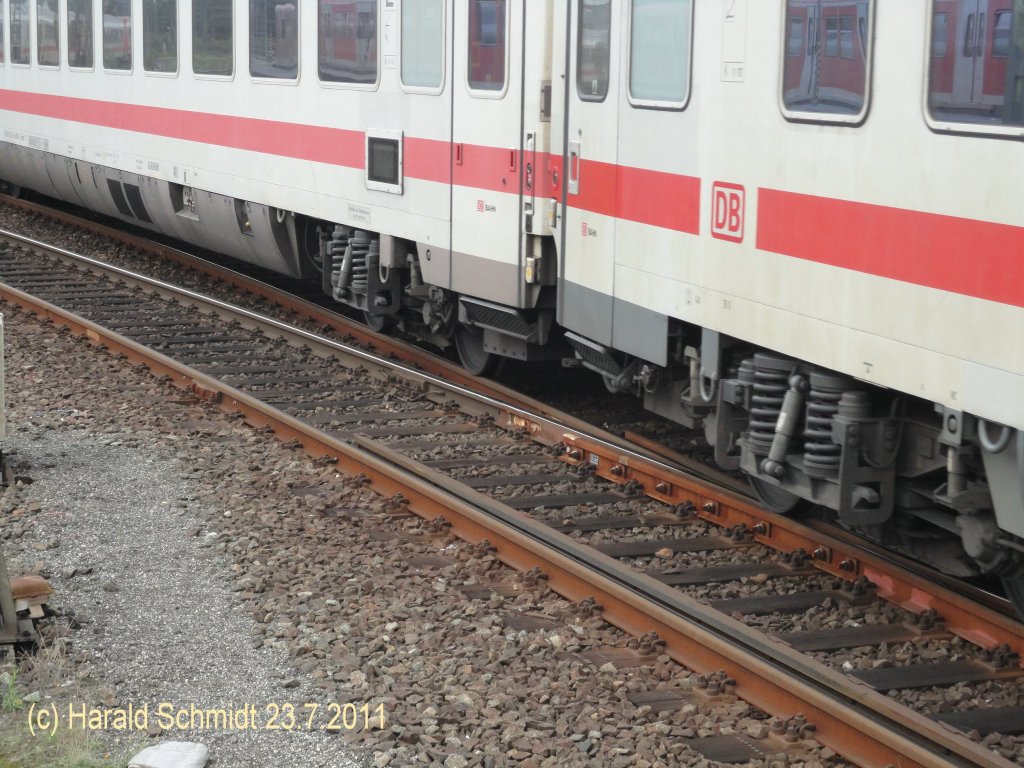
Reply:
x=687, y=568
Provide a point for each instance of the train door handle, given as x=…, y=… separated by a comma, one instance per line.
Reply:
x=574, y=167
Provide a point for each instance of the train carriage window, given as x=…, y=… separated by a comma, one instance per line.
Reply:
x=80, y=40
x=274, y=39
x=1001, y=35
x=160, y=35
x=47, y=35
x=828, y=81
x=117, y=34
x=940, y=35
x=213, y=38
x=2, y=17
x=832, y=36
x=846, y=44
x=659, y=52
x=423, y=43
x=979, y=82
x=488, y=41
x=347, y=41
x=21, y=47
x=795, y=38
x=593, y=49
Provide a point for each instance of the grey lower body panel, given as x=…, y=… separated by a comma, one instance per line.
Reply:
x=486, y=279
x=250, y=232
x=618, y=324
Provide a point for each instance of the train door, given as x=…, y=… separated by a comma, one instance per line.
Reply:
x=969, y=62
x=591, y=145
x=487, y=149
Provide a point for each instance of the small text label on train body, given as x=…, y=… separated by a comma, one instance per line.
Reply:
x=728, y=210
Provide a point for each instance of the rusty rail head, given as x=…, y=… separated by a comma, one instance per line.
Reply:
x=658, y=480
x=697, y=636
x=852, y=718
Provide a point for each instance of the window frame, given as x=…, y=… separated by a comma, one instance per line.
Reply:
x=375, y=85
x=9, y=28
x=657, y=104
x=589, y=98
x=483, y=93
x=803, y=39
x=36, y=41
x=995, y=28
x=192, y=48
x=948, y=127
x=423, y=89
x=92, y=35
x=931, y=37
x=378, y=185
x=102, y=28
x=826, y=118
x=177, y=42
x=298, y=47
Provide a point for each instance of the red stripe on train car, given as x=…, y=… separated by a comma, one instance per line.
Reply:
x=644, y=196
x=973, y=258
x=427, y=159
x=305, y=142
x=660, y=199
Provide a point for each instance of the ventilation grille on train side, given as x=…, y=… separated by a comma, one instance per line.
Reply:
x=128, y=200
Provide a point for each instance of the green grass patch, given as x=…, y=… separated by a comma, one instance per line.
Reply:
x=66, y=749
x=11, y=701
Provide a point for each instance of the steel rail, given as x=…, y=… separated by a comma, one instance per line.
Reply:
x=604, y=451
x=852, y=719
x=619, y=464
x=386, y=345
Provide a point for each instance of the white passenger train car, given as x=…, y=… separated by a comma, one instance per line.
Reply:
x=792, y=222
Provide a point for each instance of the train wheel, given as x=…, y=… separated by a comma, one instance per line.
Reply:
x=378, y=323
x=469, y=342
x=777, y=499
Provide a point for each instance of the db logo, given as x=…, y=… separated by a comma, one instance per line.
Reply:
x=728, y=206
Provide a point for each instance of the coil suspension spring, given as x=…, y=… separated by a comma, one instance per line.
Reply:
x=361, y=244
x=822, y=455
x=771, y=380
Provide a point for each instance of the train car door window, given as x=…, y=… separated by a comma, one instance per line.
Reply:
x=659, y=53
x=2, y=17
x=488, y=44
x=117, y=34
x=976, y=70
x=832, y=36
x=160, y=35
x=80, y=39
x=940, y=35
x=1001, y=35
x=47, y=34
x=274, y=39
x=593, y=49
x=423, y=44
x=21, y=46
x=347, y=41
x=795, y=38
x=829, y=79
x=213, y=38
